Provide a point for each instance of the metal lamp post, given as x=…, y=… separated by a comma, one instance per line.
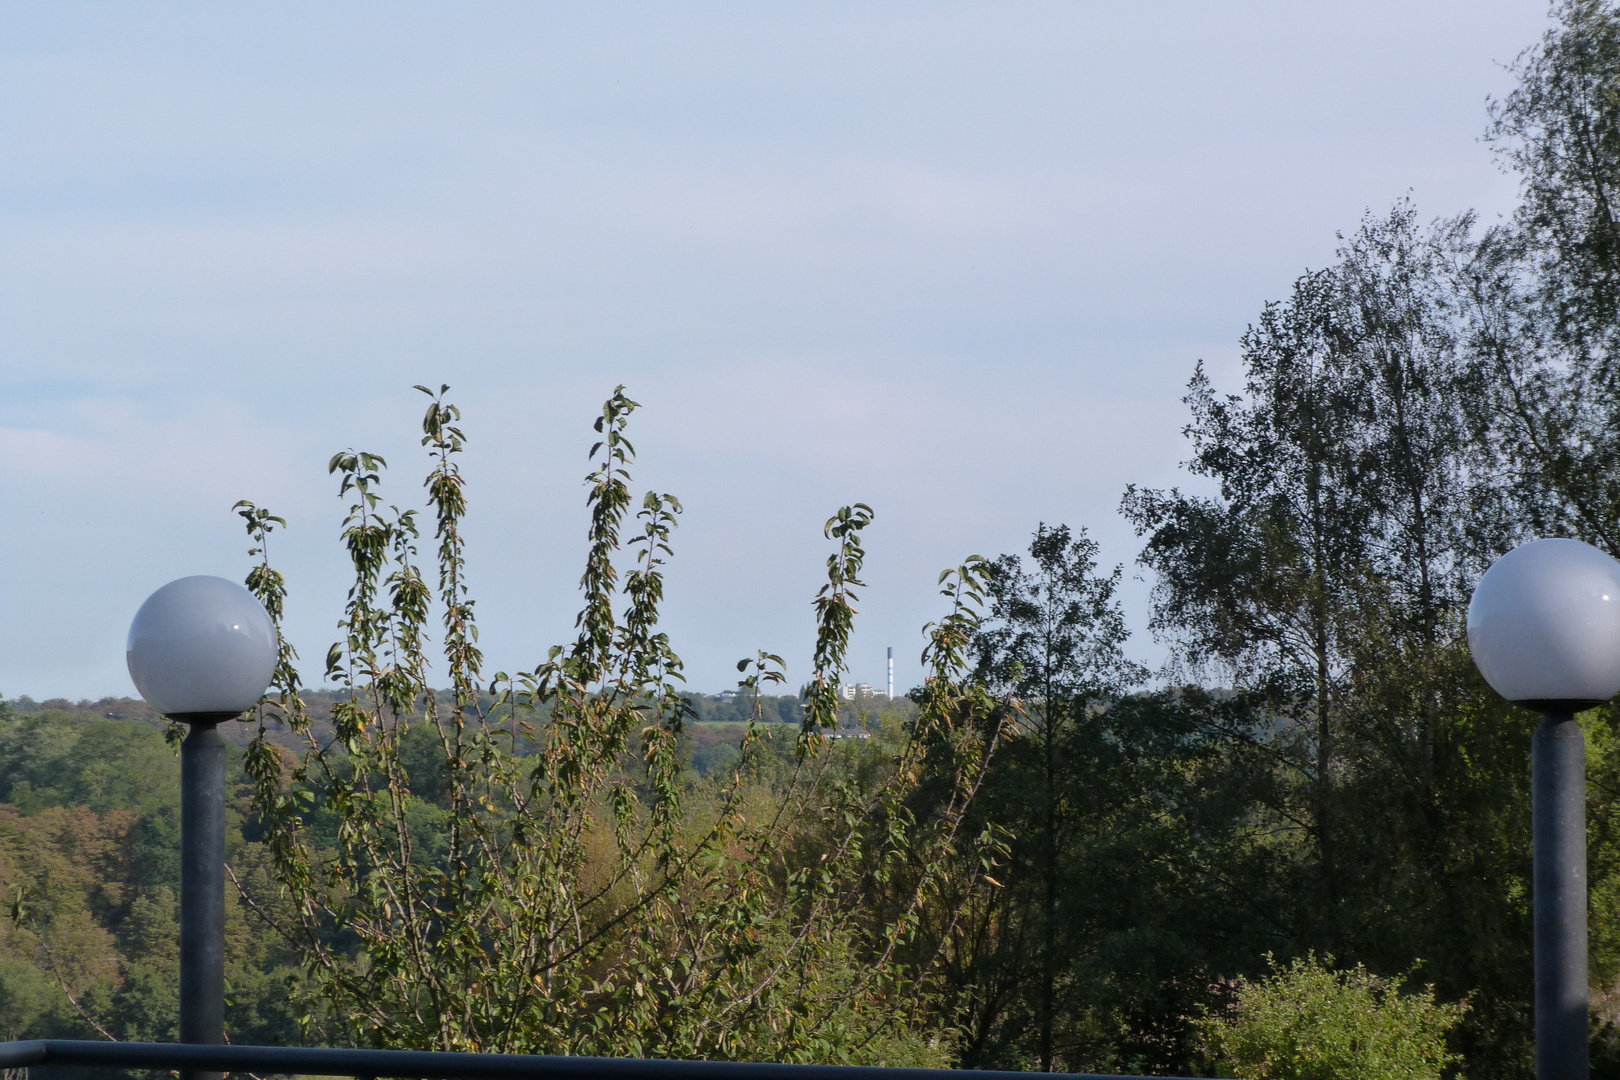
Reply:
x=202, y=650
x=1544, y=629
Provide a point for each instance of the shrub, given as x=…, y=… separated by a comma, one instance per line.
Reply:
x=521, y=865
x=1308, y=1021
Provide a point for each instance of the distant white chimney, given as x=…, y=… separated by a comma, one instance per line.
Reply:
x=891, y=671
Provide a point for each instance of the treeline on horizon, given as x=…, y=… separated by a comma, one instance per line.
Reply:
x=723, y=708
x=1044, y=857
x=707, y=743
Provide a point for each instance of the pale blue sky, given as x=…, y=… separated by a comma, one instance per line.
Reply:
x=953, y=260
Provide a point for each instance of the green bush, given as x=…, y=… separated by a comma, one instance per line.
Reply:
x=1308, y=1021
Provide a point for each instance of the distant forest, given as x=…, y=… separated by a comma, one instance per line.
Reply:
x=722, y=708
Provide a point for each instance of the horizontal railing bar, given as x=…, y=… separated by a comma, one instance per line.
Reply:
x=438, y=1065
x=20, y=1055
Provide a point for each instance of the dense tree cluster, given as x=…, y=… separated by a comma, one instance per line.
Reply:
x=1326, y=772
x=90, y=869
x=1046, y=857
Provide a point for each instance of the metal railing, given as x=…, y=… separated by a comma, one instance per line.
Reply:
x=195, y=1058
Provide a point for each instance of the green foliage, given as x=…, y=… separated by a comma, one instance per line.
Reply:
x=1306, y=1021
x=89, y=863
x=734, y=708
x=1541, y=305
x=1053, y=644
x=1328, y=579
x=1141, y=840
x=54, y=757
x=532, y=867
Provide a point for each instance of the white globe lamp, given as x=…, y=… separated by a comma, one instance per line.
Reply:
x=1544, y=629
x=202, y=646
x=1544, y=625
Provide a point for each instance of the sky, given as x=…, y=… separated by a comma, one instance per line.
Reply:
x=955, y=261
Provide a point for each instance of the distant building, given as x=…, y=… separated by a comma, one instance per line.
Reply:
x=858, y=690
x=726, y=695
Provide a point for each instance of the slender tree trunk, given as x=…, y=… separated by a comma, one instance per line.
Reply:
x=1049, y=888
x=1418, y=529
x=1324, y=776
x=1324, y=708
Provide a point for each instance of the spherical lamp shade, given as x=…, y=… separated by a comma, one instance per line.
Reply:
x=1544, y=625
x=202, y=645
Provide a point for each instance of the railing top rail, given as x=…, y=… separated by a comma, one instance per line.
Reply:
x=436, y=1065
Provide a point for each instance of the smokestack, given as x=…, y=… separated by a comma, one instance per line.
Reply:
x=891, y=672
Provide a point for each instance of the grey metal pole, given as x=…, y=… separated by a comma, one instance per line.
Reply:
x=202, y=888
x=1558, y=802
